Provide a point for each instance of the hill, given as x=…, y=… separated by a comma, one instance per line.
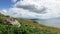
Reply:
x=27, y=27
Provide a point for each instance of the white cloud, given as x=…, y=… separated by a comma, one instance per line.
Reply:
x=38, y=5
x=14, y=1
x=45, y=9
x=49, y=8
x=30, y=5
x=20, y=13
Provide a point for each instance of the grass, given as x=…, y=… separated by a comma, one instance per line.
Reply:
x=27, y=27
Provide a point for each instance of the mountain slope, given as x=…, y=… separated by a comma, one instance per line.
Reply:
x=27, y=27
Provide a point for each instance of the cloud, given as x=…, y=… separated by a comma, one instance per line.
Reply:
x=14, y=1
x=39, y=6
x=41, y=9
x=32, y=5
x=20, y=13
x=46, y=9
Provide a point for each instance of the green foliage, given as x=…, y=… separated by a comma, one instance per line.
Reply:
x=7, y=29
x=27, y=27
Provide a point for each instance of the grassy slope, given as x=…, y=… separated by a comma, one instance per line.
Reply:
x=27, y=27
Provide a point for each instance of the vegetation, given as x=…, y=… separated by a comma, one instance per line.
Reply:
x=27, y=27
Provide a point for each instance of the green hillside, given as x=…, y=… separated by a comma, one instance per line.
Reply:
x=27, y=27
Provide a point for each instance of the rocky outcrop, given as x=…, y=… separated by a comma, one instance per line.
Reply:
x=16, y=23
x=12, y=22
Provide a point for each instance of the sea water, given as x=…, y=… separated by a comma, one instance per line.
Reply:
x=49, y=22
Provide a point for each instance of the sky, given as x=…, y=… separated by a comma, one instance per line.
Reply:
x=46, y=10
x=43, y=9
x=6, y=4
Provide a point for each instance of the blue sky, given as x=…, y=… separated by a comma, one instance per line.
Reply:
x=5, y=4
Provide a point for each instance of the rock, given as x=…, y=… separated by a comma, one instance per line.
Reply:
x=12, y=22
x=16, y=23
